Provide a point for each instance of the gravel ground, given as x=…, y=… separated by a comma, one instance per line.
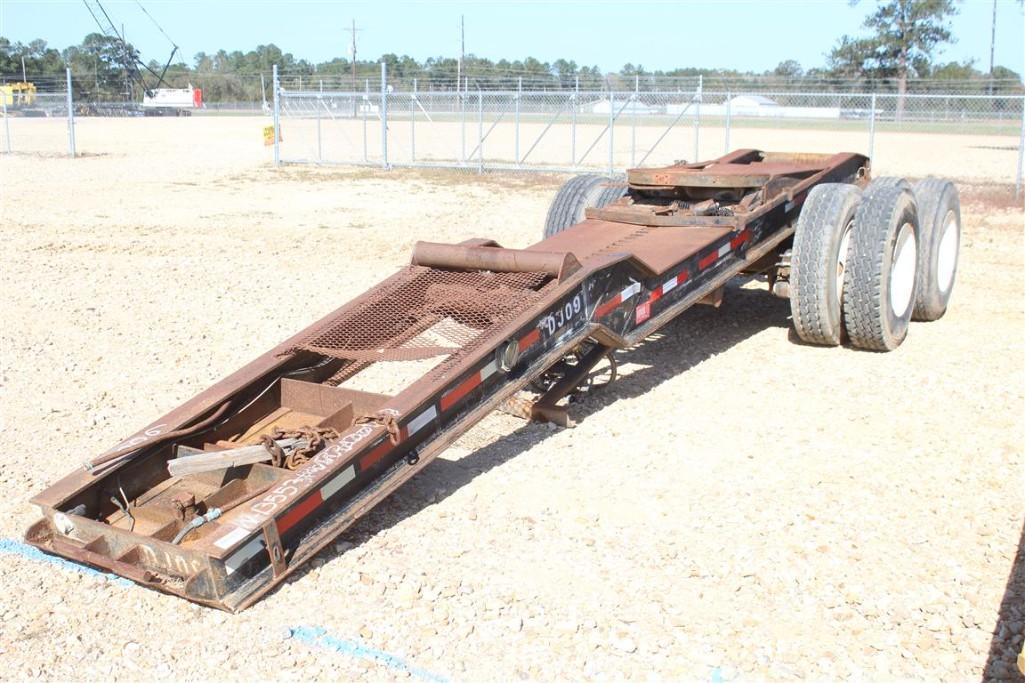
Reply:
x=968, y=156
x=736, y=507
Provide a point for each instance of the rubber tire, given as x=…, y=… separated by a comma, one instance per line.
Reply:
x=815, y=305
x=577, y=194
x=887, y=181
x=937, y=198
x=870, y=319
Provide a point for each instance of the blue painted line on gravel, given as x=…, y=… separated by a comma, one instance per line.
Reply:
x=11, y=547
x=309, y=635
x=319, y=637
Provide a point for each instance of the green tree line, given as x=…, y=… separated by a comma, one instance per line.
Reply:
x=895, y=56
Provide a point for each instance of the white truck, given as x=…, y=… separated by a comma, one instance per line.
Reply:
x=172, y=101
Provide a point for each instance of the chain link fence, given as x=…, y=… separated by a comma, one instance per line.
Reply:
x=534, y=125
x=609, y=130
x=39, y=119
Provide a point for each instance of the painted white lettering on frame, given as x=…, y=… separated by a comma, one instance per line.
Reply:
x=303, y=479
x=139, y=439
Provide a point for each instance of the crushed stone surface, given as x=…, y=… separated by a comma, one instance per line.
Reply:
x=737, y=505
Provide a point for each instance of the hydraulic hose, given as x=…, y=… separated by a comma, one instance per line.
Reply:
x=195, y=524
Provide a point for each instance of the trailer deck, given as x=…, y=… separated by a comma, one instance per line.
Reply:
x=483, y=321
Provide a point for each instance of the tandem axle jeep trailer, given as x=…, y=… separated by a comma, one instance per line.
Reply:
x=224, y=496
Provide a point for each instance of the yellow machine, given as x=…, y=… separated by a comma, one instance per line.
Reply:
x=15, y=95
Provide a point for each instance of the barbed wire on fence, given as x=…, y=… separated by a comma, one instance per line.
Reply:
x=937, y=108
x=520, y=125
x=600, y=129
x=88, y=84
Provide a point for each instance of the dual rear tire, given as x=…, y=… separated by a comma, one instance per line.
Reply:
x=879, y=284
x=864, y=264
x=578, y=194
x=939, y=213
x=819, y=260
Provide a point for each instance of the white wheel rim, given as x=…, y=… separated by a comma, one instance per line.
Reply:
x=947, y=260
x=902, y=272
x=841, y=261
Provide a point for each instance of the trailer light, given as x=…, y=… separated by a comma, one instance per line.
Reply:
x=509, y=355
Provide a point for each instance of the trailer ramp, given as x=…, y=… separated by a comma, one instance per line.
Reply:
x=478, y=321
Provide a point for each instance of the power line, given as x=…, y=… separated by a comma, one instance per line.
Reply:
x=159, y=27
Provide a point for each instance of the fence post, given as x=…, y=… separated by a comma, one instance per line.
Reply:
x=726, y=147
x=516, y=144
x=277, y=114
x=697, y=117
x=633, y=121
x=872, y=127
x=462, y=121
x=366, y=106
x=412, y=124
x=71, y=118
x=7, y=125
x=384, y=115
x=612, y=122
x=573, y=124
x=1021, y=153
x=480, y=131
x=320, y=151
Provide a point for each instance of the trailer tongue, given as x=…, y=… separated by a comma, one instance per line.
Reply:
x=478, y=322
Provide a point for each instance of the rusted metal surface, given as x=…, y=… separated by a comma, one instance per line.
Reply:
x=746, y=169
x=546, y=408
x=119, y=453
x=496, y=318
x=650, y=249
x=275, y=551
x=713, y=298
x=717, y=176
x=447, y=311
x=494, y=258
x=724, y=192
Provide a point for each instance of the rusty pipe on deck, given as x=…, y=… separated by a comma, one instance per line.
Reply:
x=497, y=259
x=92, y=465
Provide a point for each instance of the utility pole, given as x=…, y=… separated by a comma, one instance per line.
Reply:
x=992, y=46
x=462, y=51
x=24, y=78
x=352, y=53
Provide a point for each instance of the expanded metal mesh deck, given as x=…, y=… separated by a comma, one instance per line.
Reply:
x=426, y=312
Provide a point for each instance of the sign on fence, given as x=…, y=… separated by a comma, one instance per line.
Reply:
x=268, y=135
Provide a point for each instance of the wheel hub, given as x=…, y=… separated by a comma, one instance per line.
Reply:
x=947, y=259
x=902, y=272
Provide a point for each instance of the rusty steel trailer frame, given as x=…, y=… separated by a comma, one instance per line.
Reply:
x=605, y=283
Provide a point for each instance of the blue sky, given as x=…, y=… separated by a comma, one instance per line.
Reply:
x=729, y=33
